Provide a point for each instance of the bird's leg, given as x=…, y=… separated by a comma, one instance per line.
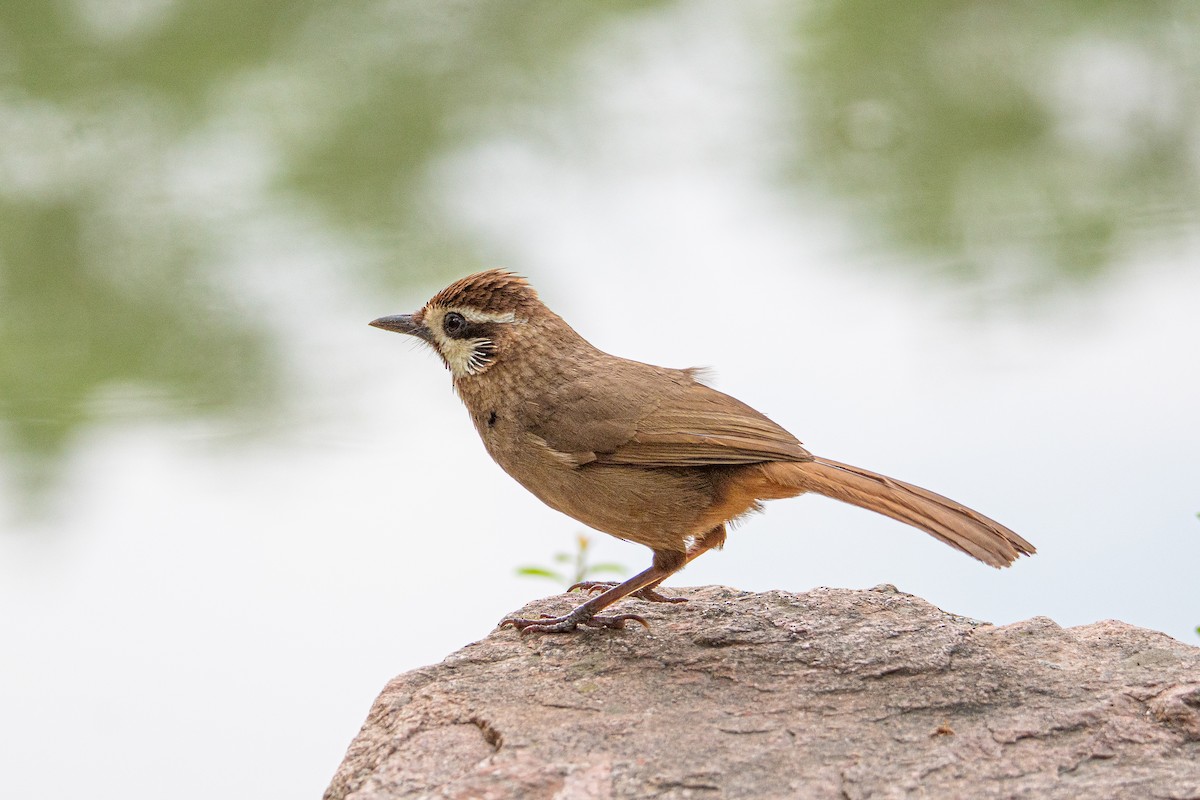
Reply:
x=665, y=563
x=714, y=538
x=648, y=593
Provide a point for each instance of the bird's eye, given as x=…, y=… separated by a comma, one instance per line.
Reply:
x=454, y=323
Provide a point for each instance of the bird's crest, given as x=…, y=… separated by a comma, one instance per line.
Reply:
x=496, y=291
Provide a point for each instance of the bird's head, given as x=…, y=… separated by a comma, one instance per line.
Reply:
x=470, y=322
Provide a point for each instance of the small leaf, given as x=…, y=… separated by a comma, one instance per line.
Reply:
x=539, y=572
x=618, y=569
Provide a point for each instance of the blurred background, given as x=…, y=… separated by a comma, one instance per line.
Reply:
x=956, y=242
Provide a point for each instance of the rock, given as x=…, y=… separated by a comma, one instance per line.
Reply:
x=830, y=693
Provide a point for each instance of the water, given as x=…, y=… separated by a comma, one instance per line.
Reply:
x=957, y=245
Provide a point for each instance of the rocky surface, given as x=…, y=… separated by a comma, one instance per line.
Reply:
x=831, y=693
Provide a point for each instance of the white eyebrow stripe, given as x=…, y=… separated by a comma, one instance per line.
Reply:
x=474, y=315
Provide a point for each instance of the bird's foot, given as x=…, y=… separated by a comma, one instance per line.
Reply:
x=592, y=587
x=569, y=622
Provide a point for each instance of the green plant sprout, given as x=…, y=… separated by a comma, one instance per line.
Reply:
x=580, y=569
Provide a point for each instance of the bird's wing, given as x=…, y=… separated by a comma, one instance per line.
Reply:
x=667, y=420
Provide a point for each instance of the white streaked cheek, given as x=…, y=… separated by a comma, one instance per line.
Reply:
x=481, y=358
x=465, y=356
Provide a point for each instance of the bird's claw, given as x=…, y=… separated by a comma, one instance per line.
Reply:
x=591, y=587
x=569, y=622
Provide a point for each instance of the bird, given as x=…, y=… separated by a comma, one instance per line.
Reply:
x=648, y=454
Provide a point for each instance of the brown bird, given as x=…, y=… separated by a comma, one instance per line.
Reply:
x=644, y=453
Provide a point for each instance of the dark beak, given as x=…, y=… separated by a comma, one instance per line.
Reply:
x=402, y=323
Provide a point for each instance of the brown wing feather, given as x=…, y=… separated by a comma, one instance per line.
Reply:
x=703, y=426
x=682, y=424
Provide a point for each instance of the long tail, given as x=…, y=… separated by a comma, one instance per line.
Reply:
x=941, y=517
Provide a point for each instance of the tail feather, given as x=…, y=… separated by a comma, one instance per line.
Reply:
x=953, y=523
